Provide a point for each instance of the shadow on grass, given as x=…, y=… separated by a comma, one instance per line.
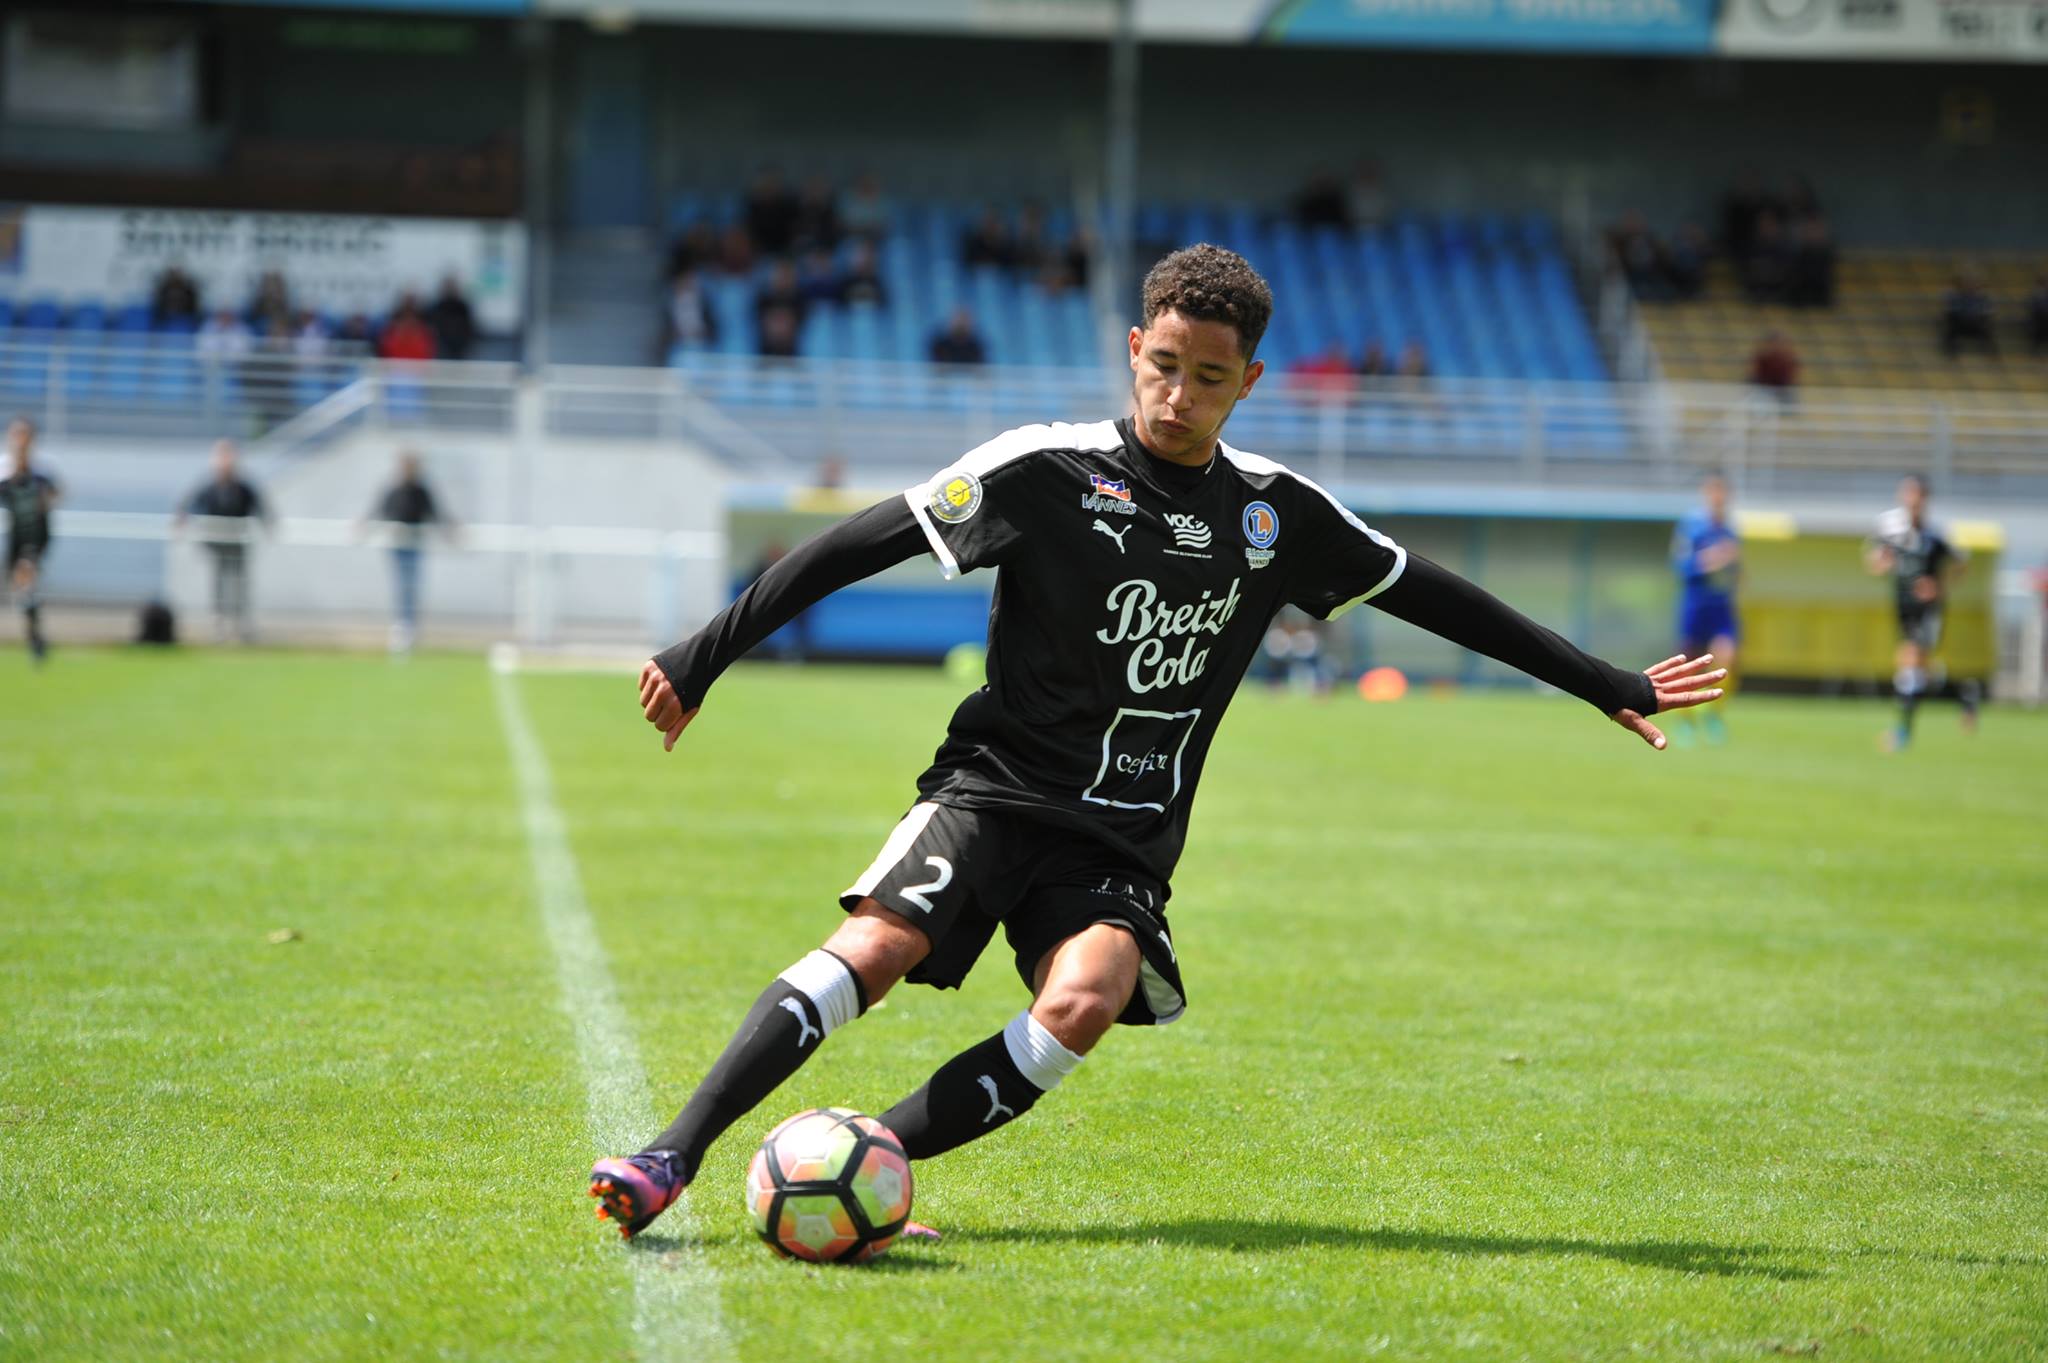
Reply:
x=1678, y=1256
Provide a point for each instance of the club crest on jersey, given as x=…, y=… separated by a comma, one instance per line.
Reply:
x=1191, y=536
x=956, y=499
x=1261, y=528
x=1109, y=496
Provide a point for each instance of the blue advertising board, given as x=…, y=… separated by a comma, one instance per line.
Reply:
x=1618, y=26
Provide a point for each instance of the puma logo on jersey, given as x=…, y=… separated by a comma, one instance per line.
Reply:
x=995, y=1099
x=796, y=1010
x=1117, y=535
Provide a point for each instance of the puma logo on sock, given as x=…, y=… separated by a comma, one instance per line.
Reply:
x=995, y=1099
x=797, y=1010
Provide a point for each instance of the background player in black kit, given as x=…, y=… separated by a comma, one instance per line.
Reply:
x=1138, y=565
x=1921, y=564
x=29, y=495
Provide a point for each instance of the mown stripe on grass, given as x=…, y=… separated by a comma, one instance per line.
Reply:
x=675, y=1294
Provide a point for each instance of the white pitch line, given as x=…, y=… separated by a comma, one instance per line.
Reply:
x=675, y=1294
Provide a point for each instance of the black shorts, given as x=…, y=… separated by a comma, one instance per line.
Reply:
x=957, y=873
x=28, y=549
x=1920, y=623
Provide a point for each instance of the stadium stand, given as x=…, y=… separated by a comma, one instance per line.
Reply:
x=1489, y=297
x=1882, y=332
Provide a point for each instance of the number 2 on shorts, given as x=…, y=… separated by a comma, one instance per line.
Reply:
x=915, y=894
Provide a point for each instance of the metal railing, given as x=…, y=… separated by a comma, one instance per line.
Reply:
x=780, y=418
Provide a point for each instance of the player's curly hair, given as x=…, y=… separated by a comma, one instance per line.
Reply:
x=1209, y=284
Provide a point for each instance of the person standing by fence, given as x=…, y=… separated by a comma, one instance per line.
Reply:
x=409, y=507
x=227, y=497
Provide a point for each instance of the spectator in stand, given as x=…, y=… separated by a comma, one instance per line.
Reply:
x=272, y=303
x=988, y=242
x=778, y=334
x=771, y=213
x=234, y=506
x=862, y=283
x=1366, y=204
x=310, y=341
x=1374, y=364
x=959, y=342
x=356, y=334
x=1967, y=315
x=1740, y=209
x=817, y=217
x=1414, y=364
x=452, y=320
x=267, y=373
x=1031, y=250
x=1640, y=257
x=1799, y=202
x=688, y=321
x=1775, y=367
x=1080, y=257
x=175, y=300
x=782, y=293
x=695, y=249
x=864, y=213
x=2037, y=316
x=407, y=336
x=1685, y=264
x=736, y=252
x=224, y=337
x=1810, y=278
x=409, y=507
x=1327, y=375
x=1769, y=266
x=818, y=280
x=1321, y=202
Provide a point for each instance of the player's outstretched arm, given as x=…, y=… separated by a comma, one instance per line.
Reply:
x=1677, y=683
x=673, y=683
x=1445, y=604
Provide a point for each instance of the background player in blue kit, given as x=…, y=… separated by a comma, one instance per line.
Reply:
x=1707, y=555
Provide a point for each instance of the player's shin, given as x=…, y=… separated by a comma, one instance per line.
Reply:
x=782, y=1030
x=984, y=1087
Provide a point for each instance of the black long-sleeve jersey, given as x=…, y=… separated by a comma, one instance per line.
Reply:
x=1131, y=595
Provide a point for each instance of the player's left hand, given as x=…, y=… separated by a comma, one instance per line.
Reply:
x=1681, y=683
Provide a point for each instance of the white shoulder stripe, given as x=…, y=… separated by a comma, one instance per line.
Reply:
x=1260, y=466
x=991, y=455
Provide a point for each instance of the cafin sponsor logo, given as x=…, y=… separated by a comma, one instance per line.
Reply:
x=1190, y=536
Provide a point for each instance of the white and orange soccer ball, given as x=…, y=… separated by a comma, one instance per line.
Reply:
x=831, y=1186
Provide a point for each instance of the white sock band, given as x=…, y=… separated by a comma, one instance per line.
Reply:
x=1037, y=1052
x=824, y=979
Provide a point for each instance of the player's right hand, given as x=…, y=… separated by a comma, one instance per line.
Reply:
x=663, y=708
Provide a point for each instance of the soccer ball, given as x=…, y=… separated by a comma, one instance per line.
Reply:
x=831, y=1186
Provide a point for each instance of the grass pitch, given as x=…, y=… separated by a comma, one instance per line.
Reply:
x=1508, y=1037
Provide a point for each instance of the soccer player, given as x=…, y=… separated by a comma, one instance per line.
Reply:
x=1138, y=564
x=1707, y=555
x=1922, y=565
x=29, y=496
x=227, y=496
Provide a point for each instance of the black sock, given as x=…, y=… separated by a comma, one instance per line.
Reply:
x=972, y=1094
x=1969, y=693
x=33, y=613
x=781, y=1031
x=1909, y=703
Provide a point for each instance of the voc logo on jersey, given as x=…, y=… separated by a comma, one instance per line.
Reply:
x=1191, y=536
x=1261, y=528
x=1109, y=496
